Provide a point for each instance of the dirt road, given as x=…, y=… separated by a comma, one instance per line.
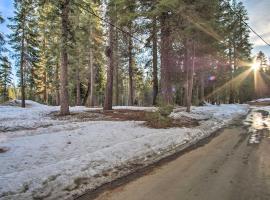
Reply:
x=227, y=168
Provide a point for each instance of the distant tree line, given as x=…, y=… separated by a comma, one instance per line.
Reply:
x=130, y=52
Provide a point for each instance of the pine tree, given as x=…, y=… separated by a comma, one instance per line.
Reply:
x=188, y=41
x=46, y=75
x=2, y=38
x=5, y=77
x=110, y=56
x=24, y=42
x=262, y=60
x=155, y=60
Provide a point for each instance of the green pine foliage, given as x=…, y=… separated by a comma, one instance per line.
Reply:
x=210, y=36
x=2, y=38
x=5, y=78
x=24, y=42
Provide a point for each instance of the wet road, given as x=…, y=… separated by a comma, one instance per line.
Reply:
x=235, y=165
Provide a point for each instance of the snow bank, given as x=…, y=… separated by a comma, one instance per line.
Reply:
x=35, y=115
x=135, y=108
x=64, y=158
x=257, y=121
x=261, y=100
x=222, y=113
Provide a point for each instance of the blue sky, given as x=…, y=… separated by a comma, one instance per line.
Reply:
x=258, y=13
x=259, y=19
x=6, y=9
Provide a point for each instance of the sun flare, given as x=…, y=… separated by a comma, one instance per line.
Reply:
x=255, y=66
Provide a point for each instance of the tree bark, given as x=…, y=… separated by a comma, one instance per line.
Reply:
x=186, y=73
x=78, y=86
x=165, y=51
x=57, y=98
x=116, y=70
x=130, y=70
x=91, y=69
x=45, y=95
x=22, y=61
x=231, y=95
x=110, y=69
x=155, y=67
x=64, y=100
x=191, y=63
x=201, y=98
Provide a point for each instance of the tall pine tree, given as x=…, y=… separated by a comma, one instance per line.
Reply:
x=24, y=43
x=5, y=77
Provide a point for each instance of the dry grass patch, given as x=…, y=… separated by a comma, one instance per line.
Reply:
x=158, y=119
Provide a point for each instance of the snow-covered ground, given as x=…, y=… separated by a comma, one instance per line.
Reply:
x=261, y=100
x=257, y=121
x=59, y=159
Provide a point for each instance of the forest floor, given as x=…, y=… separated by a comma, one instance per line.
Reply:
x=44, y=156
x=125, y=114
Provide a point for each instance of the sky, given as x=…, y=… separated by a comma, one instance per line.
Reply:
x=6, y=10
x=259, y=20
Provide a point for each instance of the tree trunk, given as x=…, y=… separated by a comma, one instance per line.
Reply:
x=22, y=65
x=165, y=51
x=130, y=70
x=64, y=100
x=186, y=72
x=91, y=69
x=231, y=95
x=155, y=67
x=201, y=96
x=92, y=83
x=116, y=71
x=110, y=69
x=45, y=95
x=57, y=98
x=191, y=63
x=78, y=86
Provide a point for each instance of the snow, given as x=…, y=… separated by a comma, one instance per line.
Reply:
x=257, y=121
x=261, y=100
x=57, y=159
x=135, y=108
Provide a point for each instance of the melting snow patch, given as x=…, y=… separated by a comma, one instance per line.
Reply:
x=55, y=159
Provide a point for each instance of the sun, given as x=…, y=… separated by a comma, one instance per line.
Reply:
x=255, y=66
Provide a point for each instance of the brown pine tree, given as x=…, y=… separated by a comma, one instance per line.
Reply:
x=64, y=100
x=110, y=69
x=130, y=71
x=165, y=51
x=155, y=67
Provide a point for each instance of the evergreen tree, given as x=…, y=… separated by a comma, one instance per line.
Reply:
x=5, y=77
x=2, y=38
x=262, y=60
x=195, y=46
x=24, y=42
x=110, y=51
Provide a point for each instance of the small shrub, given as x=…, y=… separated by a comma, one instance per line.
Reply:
x=160, y=118
x=156, y=120
x=165, y=110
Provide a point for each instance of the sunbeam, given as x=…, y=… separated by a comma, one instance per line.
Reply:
x=261, y=86
x=235, y=81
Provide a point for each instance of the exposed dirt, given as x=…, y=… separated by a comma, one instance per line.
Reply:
x=3, y=149
x=264, y=103
x=126, y=115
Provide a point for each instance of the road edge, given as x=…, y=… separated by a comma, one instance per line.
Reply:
x=164, y=159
